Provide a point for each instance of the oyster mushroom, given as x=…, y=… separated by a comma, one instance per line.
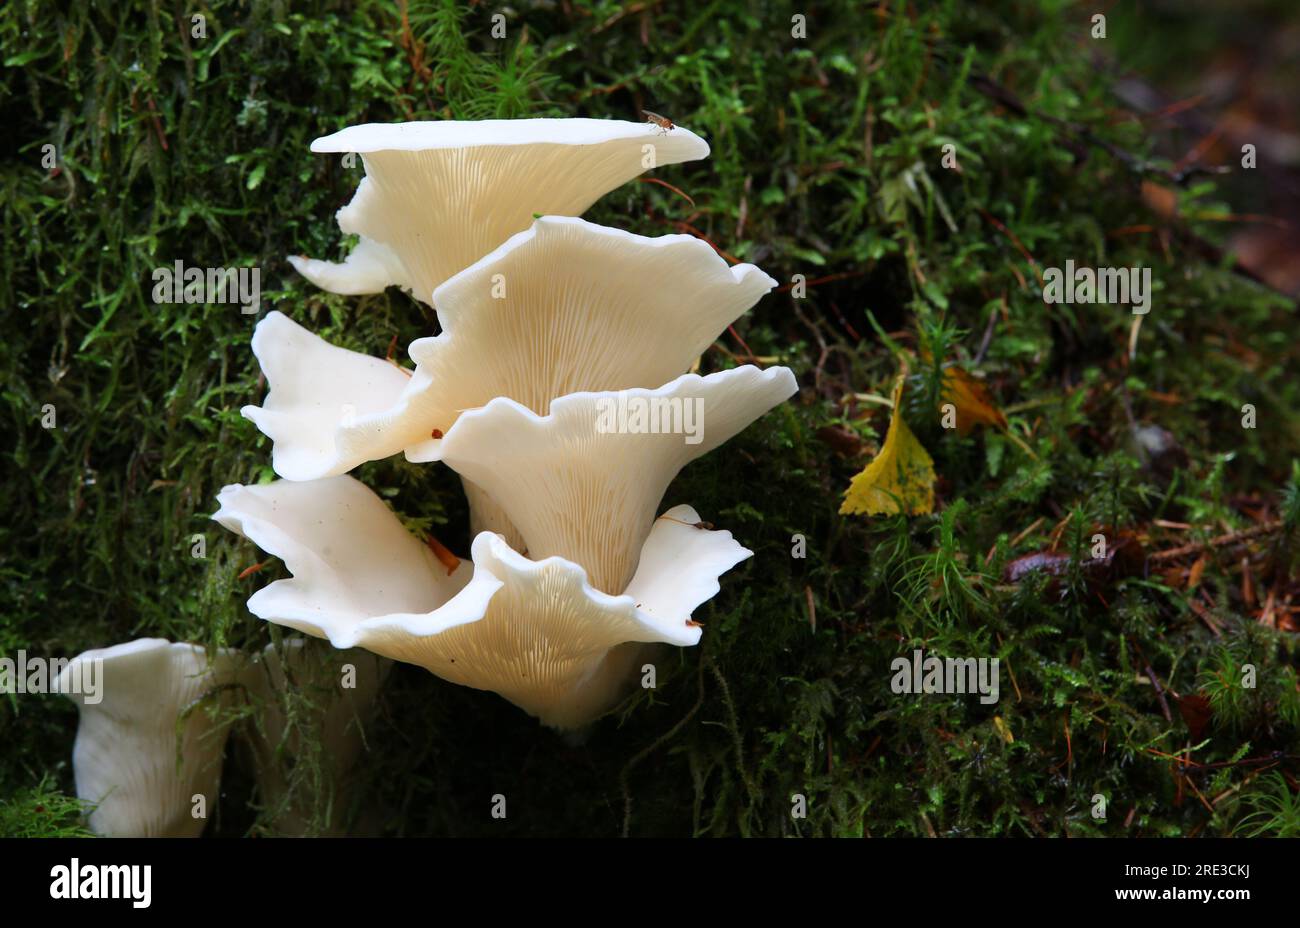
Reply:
x=437, y=196
x=536, y=632
x=351, y=557
x=316, y=391
x=565, y=306
x=579, y=487
x=153, y=745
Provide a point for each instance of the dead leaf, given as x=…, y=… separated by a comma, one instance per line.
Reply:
x=841, y=440
x=899, y=479
x=1196, y=712
x=971, y=399
x=1161, y=200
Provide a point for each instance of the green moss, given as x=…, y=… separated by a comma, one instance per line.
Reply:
x=41, y=811
x=827, y=163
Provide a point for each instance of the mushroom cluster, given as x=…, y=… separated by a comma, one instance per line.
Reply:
x=558, y=390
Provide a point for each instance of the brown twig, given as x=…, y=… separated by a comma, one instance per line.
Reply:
x=1020, y=246
x=829, y=278
x=1204, y=615
x=664, y=183
x=1232, y=538
x=249, y=571
x=1274, y=758
x=1155, y=681
x=629, y=10
x=688, y=228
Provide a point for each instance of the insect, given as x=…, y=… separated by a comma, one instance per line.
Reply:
x=663, y=122
x=436, y=433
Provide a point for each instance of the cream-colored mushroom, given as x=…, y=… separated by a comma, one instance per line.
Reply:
x=437, y=196
x=564, y=306
x=316, y=391
x=535, y=632
x=368, y=268
x=553, y=645
x=308, y=732
x=350, y=556
x=568, y=306
x=583, y=482
x=149, y=753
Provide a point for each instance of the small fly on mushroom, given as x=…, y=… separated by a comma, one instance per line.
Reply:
x=663, y=122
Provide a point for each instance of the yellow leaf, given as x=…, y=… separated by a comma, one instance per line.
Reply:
x=1003, y=729
x=972, y=400
x=899, y=479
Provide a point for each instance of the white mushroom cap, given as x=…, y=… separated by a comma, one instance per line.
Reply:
x=315, y=389
x=350, y=556
x=545, y=641
x=535, y=632
x=440, y=195
x=126, y=757
x=440, y=135
x=304, y=693
x=565, y=306
x=587, y=495
x=585, y=308
x=368, y=268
